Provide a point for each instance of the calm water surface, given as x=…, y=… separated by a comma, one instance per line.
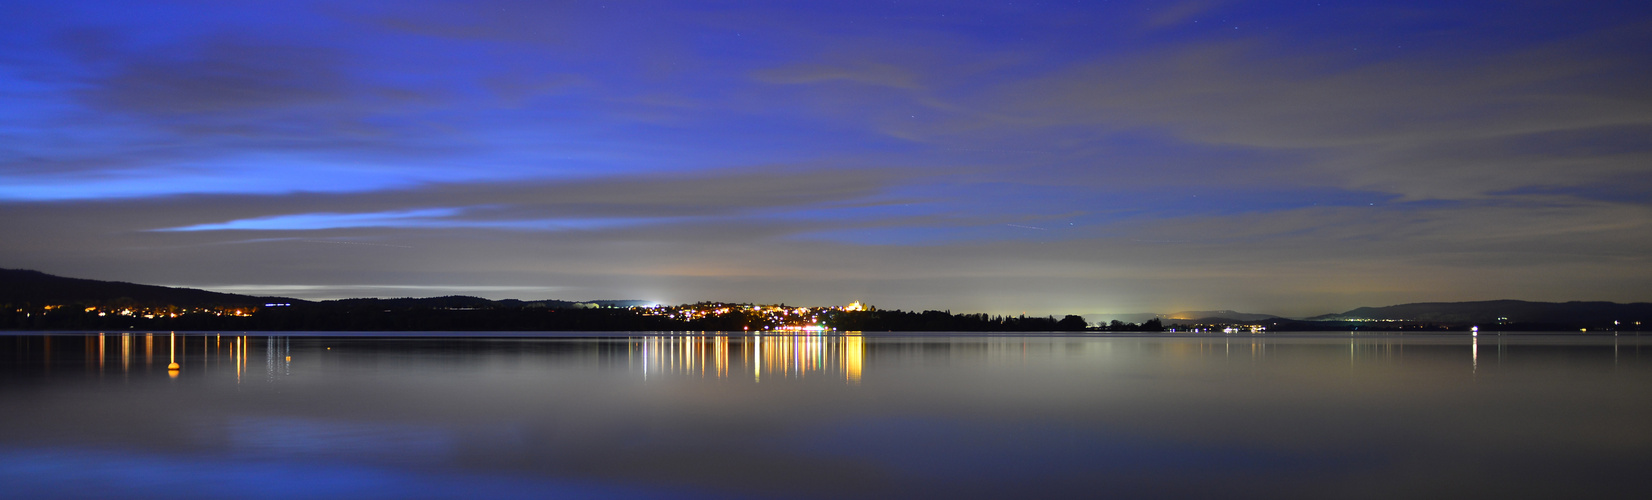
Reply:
x=720, y=416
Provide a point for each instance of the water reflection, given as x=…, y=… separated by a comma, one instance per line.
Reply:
x=100, y=357
x=843, y=356
x=753, y=356
x=749, y=357
x=955, y=415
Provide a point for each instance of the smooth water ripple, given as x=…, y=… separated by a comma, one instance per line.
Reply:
x=436, y=415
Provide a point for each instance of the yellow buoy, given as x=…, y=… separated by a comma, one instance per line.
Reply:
x=172, y=355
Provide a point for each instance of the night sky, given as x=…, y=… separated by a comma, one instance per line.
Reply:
x=1293, y=157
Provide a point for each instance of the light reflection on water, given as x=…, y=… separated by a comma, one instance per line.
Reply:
x=967, y=415
x=723, y=356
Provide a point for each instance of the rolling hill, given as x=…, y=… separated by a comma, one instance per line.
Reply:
x=18, y=286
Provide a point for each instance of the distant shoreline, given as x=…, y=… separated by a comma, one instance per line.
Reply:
x=35, y=301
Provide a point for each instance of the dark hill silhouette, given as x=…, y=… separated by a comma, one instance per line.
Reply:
x=450, y=301
x=622, y=303
x=1225, y=314
x=1489, y=312
x=1223, y=320
x=468, y=302
x=19, y=286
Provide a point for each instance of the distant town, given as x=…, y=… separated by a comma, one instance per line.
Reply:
x=30, y=300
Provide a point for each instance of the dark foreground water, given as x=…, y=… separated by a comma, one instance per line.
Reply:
x=644, y=416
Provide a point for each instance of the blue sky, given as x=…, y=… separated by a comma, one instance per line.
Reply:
x=1046, y=157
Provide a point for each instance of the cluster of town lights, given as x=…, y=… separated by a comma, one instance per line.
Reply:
x=778, y=317
x=157, y=312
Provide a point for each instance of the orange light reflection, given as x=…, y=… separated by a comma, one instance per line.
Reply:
x=788, y=356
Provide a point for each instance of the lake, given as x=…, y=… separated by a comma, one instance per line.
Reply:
x=662, y=415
